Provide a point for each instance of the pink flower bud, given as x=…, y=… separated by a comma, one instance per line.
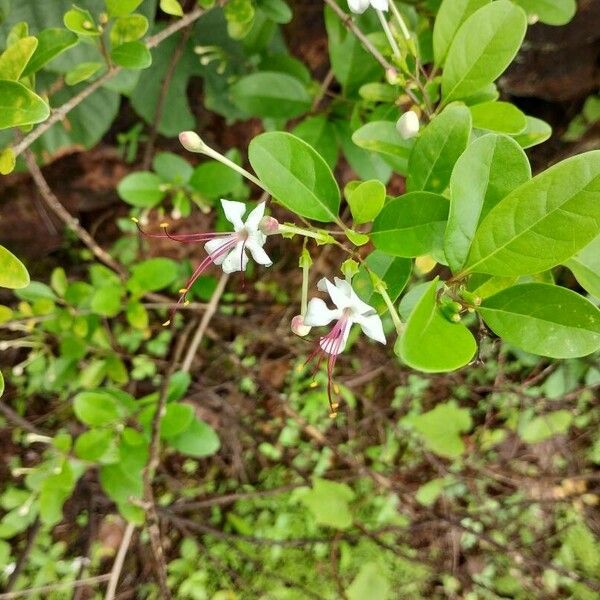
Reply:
x=269, y=225
x=191, y=141
x=298, y=326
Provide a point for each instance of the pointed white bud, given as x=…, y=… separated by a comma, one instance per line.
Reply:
x=408, y=125
x=191, y=141
x=298, y=326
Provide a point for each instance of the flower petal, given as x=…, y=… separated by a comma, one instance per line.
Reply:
x=358, y=6
x=236, y=260
x=255, y=216
x=372, y=327
x=337, y=346
x=214, y=249
x=234, y=211
x=338, y=297
x=258, y=254
x=343, y=285
x=317, y=314
x=322, y=284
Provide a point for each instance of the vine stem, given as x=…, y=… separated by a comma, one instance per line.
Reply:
x=60, y=113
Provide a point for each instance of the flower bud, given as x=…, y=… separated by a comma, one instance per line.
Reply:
x=269, y=225
x=408, y=125
x=191, y=141
x=298, y=326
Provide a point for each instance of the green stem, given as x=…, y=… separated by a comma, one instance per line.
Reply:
x=284, y=228
x=229, y=163
x=389, y=35
x=398, y=16
x=398, y=324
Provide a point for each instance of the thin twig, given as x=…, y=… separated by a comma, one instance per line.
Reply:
x=18, y=420
x=31, y=537
x=54, y=586
x=60, y=113
x=206, y=318
x=118, y=564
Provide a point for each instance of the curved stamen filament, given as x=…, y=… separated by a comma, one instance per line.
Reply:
x=185, y=238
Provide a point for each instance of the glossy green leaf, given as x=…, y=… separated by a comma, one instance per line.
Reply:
x=132, y=55
x=276, y=10
x=502, y=117
x=295, y=175
x=120, y=8
x=198, y=440
x=490, y=168
x=96, y=408
x=545, y=426
x=15, y=58
x=366, y=201
x=214, y=180
x=437, y=149
x=171, y=7
x=82, y=72
x=80, y=21
x=392, y=270
x=544, y=319
x=51, y=43
x=328, y=501
x=319, y=133
x=142, y=189
x=13, y=274
x=20, y=106
x=152, y=275
x=585, y=265
x=271, y=94
x=484, y=46
x=411, y=225
x=431, y=342
x=128, y=29
x=543, y=222
x=551, y=12
x=383, y=138
x=451, y=15
x=536, y=132
x=441, y=428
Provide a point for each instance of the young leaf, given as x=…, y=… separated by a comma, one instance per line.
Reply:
x=20, y=106
x=132, y=55
x=371, y=582
x=96, y=408
x=120, y=8
x=276, y=10
x=503, y=117
x=451, y=15
x=382, y=137
x=92, y=445
x=411, y=225
x=13, y=274
x=484, y=46
x=128, y=29
x=81, y=22
x=8, y=160
x=544, y=319
x=152, y=275
x=551, y=12
x=178, y=418
x=142, y=189
x=82, y=72
x=366, y=201
x=536, y=132
x=490, y=168
x=430, y=342
x=15, y=58
x=586, y=267
x=545, y=426
x=1, y=384
x=51, y=43
x=172, y=167
x=269, y=94
x=171, y=7
x=437, y=149
x=543, y=222
x=295, y=175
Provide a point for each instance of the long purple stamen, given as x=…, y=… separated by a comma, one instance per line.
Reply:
x=184, y=238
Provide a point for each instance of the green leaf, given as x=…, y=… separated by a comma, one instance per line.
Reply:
x=543, y=222
x=13, y=274
x=120, y=8
x=15, y=58
x=172, y=167
x=545, y=426
x=106, y=301
x=51, y=43
x=92, y=445
x=142, y=189
x=490, y=168
x=20, y=106
x=503, y=117
x=393, y=271
x=383, y=138
x=411, y=225
x=451, y=15
x=270, y=95
x=438, y=148
x=442, y=427
x=429, y=492
x=430, y=342
x=544, y=319
x=81, y=22
x=484, y=46
x=36, y=291
x=551, y=12
x=171, y=7
x=152, y=275
x=370, y=582
x=276, y=10
x=198, y=440
x=295, y=175
x=319, y=133
x=328, y=501
x=132, y=55
x=128, y=29
x=536, y=132
x=178, y=418
x=357, y=238
x=82, y=72
x=586, y=267
x=366, y=201
x=7, y=161
x=96, y=408
x=54, y=491
x=214, y=180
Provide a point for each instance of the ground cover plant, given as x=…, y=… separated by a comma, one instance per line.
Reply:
x=287, y=310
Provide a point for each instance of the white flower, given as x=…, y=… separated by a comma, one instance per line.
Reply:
x=349, y=309
x=408, y=125
x=359, y=6
x=230, y=251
